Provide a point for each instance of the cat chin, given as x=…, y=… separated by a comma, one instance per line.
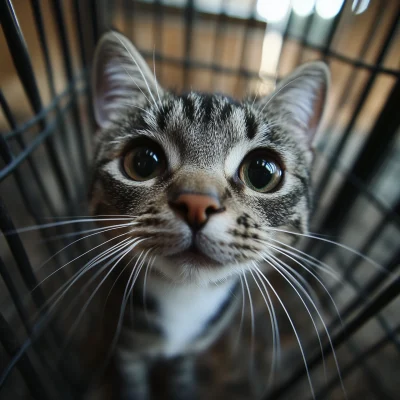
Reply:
x=186, y=271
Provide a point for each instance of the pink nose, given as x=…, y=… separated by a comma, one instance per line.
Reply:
x=196, y=209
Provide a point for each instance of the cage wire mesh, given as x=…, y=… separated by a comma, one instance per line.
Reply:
x=238, y=47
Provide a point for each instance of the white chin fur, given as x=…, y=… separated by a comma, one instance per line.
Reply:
x=187, y=273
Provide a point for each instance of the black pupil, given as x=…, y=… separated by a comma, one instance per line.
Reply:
x=145, y=162
x=260, y=172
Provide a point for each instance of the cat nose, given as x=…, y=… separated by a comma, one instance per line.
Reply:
x=196, y=209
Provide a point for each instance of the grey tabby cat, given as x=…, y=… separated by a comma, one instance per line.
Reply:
x=206, y=186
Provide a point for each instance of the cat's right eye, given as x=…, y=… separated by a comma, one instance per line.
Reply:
x=144, y=162
x=260, y=172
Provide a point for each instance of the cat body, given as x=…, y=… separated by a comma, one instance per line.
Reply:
x=206, y=187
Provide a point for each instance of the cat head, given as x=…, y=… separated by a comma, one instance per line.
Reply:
x=208, y=183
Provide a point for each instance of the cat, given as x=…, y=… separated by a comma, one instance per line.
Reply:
x=208, y=189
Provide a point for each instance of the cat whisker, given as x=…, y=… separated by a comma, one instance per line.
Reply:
x=289, y=277
x=39, y=325
x=310, y=290
x=127, y=248
x=81, y=255
x=94, y=217
x=148, y=267
x=285, y=253
x=349, y=249
x=70, y=282
x=275, y=263
x=76, y=233
x=236, y=346
x=262, y=276
x=308, y=259
x=274, y=328
x=117, y=278
x=252, y=370
x=60, y=223
x=128, y=289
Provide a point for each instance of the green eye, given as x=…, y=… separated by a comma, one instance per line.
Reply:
x=260, y=172
x=144, y=163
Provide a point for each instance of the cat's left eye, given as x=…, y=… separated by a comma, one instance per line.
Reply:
x=144, y=162
x=260, y=172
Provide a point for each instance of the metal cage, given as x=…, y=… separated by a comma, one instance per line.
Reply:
x=236, y=47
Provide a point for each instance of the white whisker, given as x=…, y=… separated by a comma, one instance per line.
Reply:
x=274, y=329
x=273, y=261
x=312, y=274
x=290, y=277
x=131, y=245
x=260, y=274
x=81, y=255
x=61, y=223
x=351, y=250
x=235, y=347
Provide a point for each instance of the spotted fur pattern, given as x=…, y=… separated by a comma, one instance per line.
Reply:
x=204, y=138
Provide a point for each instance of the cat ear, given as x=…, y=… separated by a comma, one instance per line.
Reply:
x=121, y=78
x=300, y=98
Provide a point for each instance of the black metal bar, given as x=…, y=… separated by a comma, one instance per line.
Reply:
x=129, y=7
x=158, y=29
x=22, y=311
x=249, y=22
x=285, y=36
x=13, y=125
x=33, y=380
x=19, y=53
x=218, y=45
x=332, y=31
x=369, y=160
x=20, y=256
x=15, y=296
x=79, y=131
x=39, y=139
x=361, y=100
x=83, y=41
x=373, y=308
x=188, y=32
x=32, y=203
x=368, y=289
x=350, y=82
x=65, y=137
x=303, y=40
x=354, y=364
x=356, y=259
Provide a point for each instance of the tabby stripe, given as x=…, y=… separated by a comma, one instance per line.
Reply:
x=251, y=124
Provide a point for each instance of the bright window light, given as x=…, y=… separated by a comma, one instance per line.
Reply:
x=273, y=10
x=328, y=9
x=303, y=8
x=359, y=6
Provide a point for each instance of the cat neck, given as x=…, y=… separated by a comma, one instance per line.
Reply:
x=188, y=311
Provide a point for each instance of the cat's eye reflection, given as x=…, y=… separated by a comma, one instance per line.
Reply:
x=260, y=172
x=144, y=163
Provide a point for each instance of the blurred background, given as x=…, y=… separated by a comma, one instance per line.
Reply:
x=241, y=48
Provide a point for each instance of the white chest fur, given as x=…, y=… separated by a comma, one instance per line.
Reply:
x=185, y=310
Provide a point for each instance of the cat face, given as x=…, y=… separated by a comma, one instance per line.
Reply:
x=205, y=180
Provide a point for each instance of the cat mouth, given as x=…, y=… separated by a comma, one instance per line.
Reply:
x=193, y=255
